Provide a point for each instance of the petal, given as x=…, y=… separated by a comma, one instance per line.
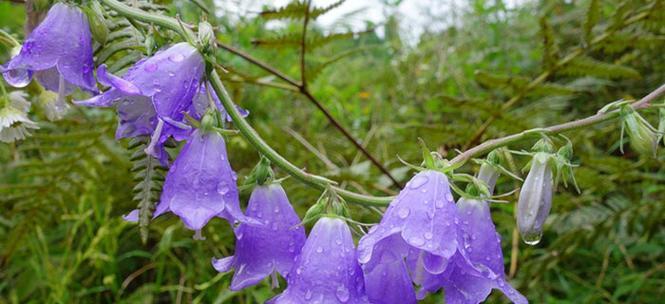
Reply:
x=326, y=270
x=389, y=283
x=200, y=183
x=110, y=80
x=480, y=240
x=223, y=264
x=50, y=79
x=171, y=77
x=136, y=117
x=132, y=216
x=105, y=99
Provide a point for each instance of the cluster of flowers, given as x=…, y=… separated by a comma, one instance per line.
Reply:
x=424, y=239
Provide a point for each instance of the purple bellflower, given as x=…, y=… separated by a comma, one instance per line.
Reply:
x=414, y=240
x=477, y=267
x=326, y=271
x=201, y=183
x=153, y=96
x=267, y=249
x=58, y=53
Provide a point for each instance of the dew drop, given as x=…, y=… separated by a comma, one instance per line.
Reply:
x=319, y=250
x=222, y=188
x=403, y=212
x=439, y=204
x=150, y=67
x=428, y=235
x=308, y=295
x=416, y=241
x=342, y=294
x=532, y=238
x=449, y=197
x=177, y=57
x=418, y=181
x=338, y=242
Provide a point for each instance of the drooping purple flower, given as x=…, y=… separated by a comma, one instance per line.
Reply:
x=535, y=199
x=153, y=95
x=326, y=270
x=58, y=53
x=201, y=183
x=415, y=238
x=477, y=267
x=267, y=249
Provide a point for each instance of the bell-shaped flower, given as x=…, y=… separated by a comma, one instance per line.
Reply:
x=14, y=121
x=58, y=53
x=326, y=271
x=269, y=248
x=153, y=95
x=477, y=267
x=201, y=183
x=535, y=198
x=416, y=238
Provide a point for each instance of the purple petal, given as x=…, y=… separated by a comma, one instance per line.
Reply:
x=223, y=264
x=271, y=246
x=63, y=39
x=132, y=216
x=136, y=117
x=110, y=80
x=201, y=183
x=387, y=279
x=327, y=270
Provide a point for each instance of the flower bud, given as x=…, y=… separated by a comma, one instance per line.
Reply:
x=643, y=139
x=98, y=28
x=535, y=199
x=206, y=35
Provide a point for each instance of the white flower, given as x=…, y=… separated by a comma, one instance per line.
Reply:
x=535, y=199
x=14, y=121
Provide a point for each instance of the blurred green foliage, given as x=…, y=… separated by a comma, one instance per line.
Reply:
x=63, y=191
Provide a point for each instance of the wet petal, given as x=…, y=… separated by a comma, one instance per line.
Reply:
x=326, y=270
x=110, y=80
x=200, y=183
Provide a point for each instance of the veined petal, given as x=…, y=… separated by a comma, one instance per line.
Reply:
x=326, y=270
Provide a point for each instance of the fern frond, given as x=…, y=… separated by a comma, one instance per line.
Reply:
x=149, y=177
x=587, y=66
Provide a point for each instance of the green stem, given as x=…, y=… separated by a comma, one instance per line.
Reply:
x=321, y=183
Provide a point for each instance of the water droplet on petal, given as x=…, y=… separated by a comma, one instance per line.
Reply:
x=403, y=212
x=418, y=181
x=319, y=250
x=532, y=238
x=439, y=204
x=416, y=241
x=150, y=67
x=177, y=57
x=222, y=188
x=428, y=235
x=308, y=295
x=449, y=197
x=342, y=294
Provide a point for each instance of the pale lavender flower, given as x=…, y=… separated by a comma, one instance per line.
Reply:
x=267, y=249
x=326, y=270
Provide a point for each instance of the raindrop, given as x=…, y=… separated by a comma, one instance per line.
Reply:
x=403, y=213
x=308, y=295
x=416, y=241
x=171, y=74
x=150, y=67
x=428, y=235
x=338, y=242
x=532, y=238
x=439, y=204
x=319, y=250
x=342, y=294
x=222, y=188
x=274, y=226
x=177, y=57
x=418, y=181
x=449, y=197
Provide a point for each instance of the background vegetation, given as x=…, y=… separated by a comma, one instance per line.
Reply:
x=63, y=191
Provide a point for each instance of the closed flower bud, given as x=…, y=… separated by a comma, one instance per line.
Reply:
x=206, y=35
x=98, y=27
x=643, y=138
x=535, y=199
